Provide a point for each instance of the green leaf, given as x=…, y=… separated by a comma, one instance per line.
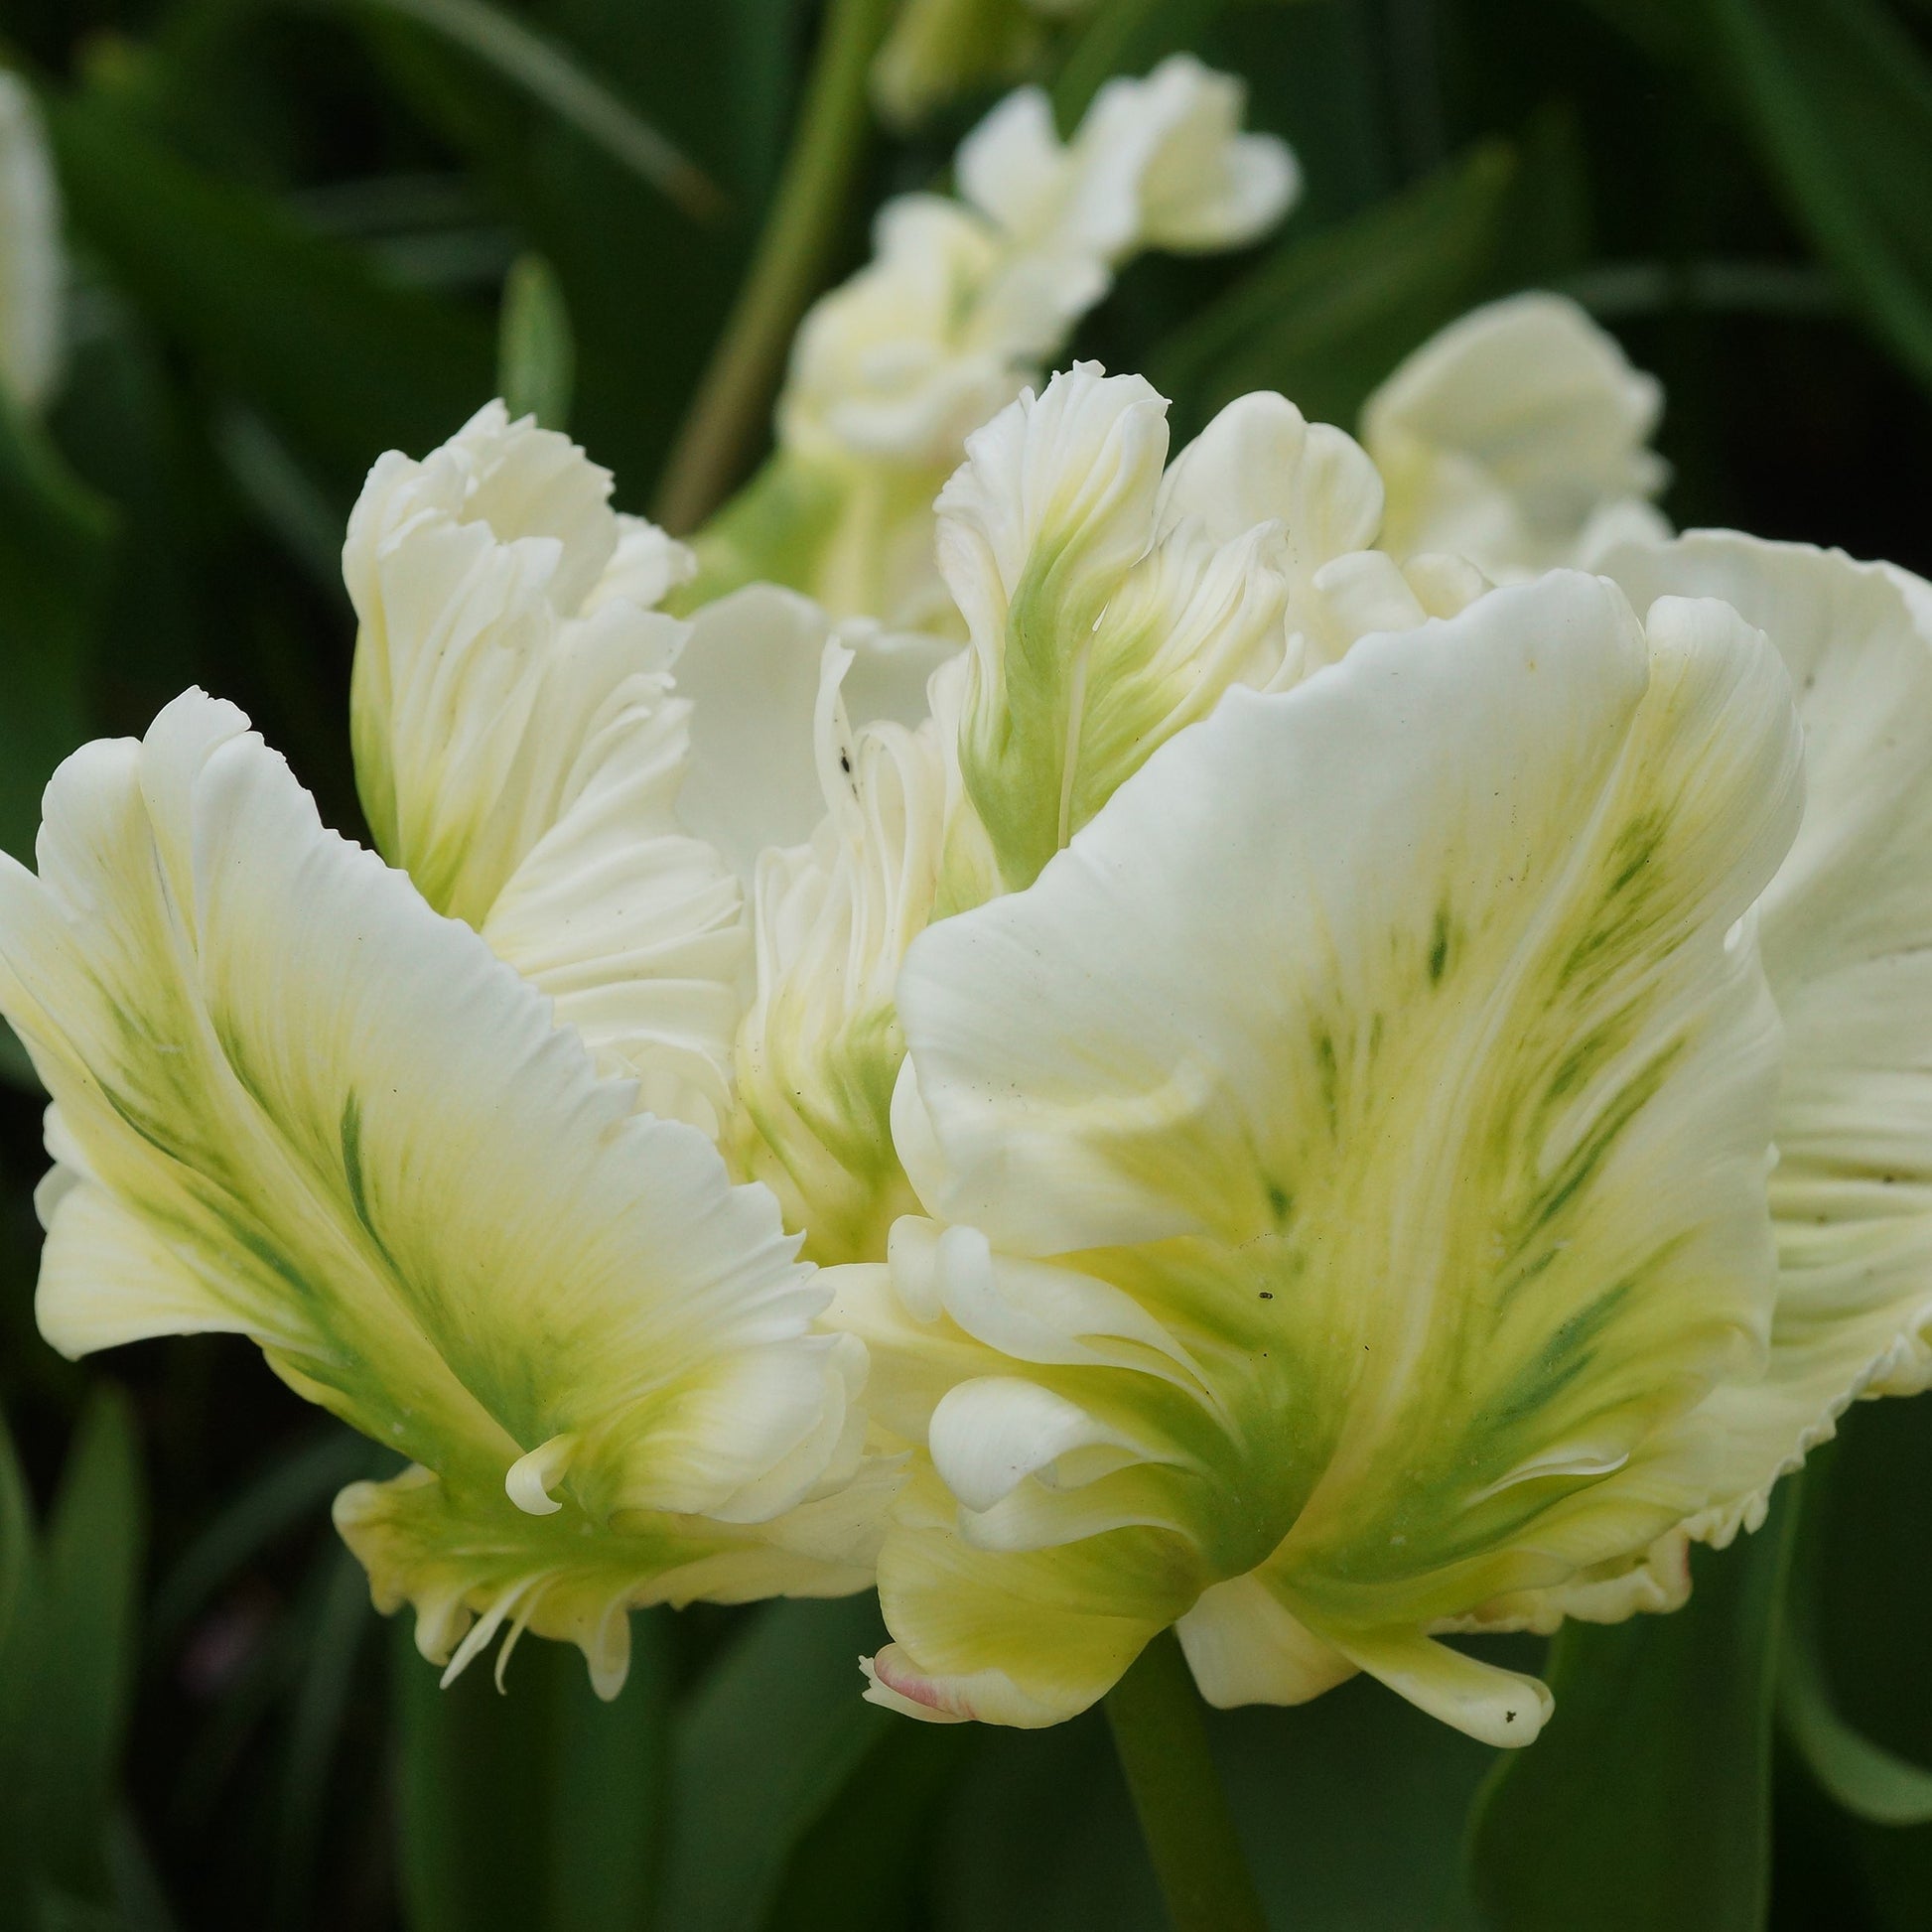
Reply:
x=1840, y=99
x=548, y=73
x=342, y=1620
x=1352, y=1811
x=294, y=1489
x=1647, y=1800
x=1866, y=1592
x=55, y=537
x=82, y=1648
x=1870, y=1781
x=771, y=1735
x=536, y=356
x=302, y=327
x=862, y=1866
x=16, y=1555
x=1326, y=318
x=537, y=1809
x=647, y=293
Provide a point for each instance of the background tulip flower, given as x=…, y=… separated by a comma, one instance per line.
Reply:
x=1518, y=437
x=960, y=308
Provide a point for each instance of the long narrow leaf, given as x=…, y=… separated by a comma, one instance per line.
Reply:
x=550, y=75
x=84, y=1650
x=297, y=324
x=1840, y=98
x=1870, y=1781
x=772, y=1736
x=1647, y=1801
x=536, y=1809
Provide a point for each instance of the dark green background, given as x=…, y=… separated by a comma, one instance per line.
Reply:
x=291, y=226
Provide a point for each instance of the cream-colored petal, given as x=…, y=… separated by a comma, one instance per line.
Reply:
x=1509, y=437
x=469, y=1564
x=1847, y=934
x=752, y=671
x=521, y=753
x=1027, y=1639
x=1011, y=166
x=820, y=1046
x=1245, y=1646
x=1156, y=162
x=297, y=1103
x=1395, y=1045
x=1052, y=506
x=1208, y=186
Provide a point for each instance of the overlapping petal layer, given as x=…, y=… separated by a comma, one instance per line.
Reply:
x=1110, y=604
x=1847, y=934
x=1355, y=1150
x=521, y=753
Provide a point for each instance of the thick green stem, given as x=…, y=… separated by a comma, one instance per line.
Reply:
x=1156, y=1715
x=787, y=268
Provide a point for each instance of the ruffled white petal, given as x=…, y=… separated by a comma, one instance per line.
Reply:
x=296, y=1103
x=1517, y=438
x=1847, y=934
x=1393, y=1046
x=521, y=753
x=820, y=1046
x=1156, y=162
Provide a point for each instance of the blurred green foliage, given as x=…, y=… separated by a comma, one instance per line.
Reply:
x=303, y=233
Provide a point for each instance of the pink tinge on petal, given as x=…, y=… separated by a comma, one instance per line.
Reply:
x=896, y=1686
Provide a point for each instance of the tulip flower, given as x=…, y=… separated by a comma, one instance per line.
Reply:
x=1410, y=1155
x=940, y=48
x=962, y=303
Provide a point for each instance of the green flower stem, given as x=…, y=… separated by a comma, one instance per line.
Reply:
x=1156, y=1715
x=787, y=268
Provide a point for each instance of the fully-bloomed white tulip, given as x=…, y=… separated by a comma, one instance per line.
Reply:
x=1346, y=1115
x=1517, y=438
x=962, y=303
x=397, y=1126
x=33, y=264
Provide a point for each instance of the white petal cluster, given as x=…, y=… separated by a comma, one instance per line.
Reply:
x=33, y=263
x=962, y=304
x=519, y=751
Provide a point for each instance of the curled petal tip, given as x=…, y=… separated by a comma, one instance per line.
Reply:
x=528, y=1479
